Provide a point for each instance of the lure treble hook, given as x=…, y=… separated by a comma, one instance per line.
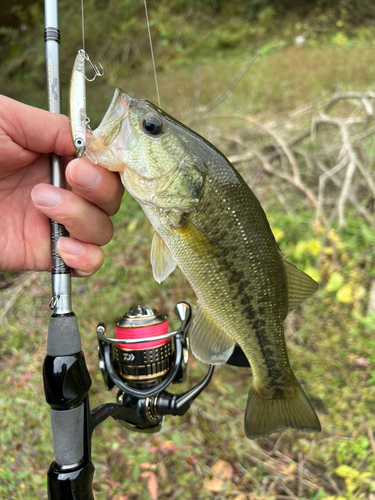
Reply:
x=94, y=68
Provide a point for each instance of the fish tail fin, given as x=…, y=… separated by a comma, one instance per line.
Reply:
x=265, y=416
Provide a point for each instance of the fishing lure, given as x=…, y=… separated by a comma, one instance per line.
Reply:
x=79, y=122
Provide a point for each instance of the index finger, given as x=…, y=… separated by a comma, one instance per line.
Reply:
x=35, y=129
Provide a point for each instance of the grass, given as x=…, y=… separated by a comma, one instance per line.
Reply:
x=330, y=338
x=277, y=83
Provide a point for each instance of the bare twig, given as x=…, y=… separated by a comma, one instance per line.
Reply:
x=334, y=168
x=332, y=483
x=371, y=301
x=287, y=490
x=300, y=474
x=362, y=96
x=322, y=182
x=15, y=292
x=370, y=435
x=345, y=151
x=365, y=214
x=295, y=178
x=284, y=497
x=227, y=91
x=368, y=178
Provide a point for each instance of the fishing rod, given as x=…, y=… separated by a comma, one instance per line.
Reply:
x=143, y=358
x=65, y=375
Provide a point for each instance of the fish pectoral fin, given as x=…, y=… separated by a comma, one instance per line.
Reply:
x=209, y=342
x=195, y=238
x=265, y=416
x=161, y=259
x=300, y=285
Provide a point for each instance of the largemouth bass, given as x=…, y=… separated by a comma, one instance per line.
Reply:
x=209, y=223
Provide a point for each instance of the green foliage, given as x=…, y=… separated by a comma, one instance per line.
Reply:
x=116, y=34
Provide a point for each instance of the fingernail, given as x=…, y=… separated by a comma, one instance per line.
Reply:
x=70, y=245
x=84, y=174
x=81, y=274
x=47, y=196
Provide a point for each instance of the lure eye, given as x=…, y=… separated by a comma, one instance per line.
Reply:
x=152, y=125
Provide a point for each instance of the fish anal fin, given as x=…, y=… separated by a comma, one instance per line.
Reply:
x=265, y=416
x=300, y=285
x=209, y=342
x=161, y=259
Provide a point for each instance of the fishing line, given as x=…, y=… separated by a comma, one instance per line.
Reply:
x=152, y=52
x=83, y=26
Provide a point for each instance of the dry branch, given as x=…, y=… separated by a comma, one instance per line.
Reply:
x=295, y=177
x=333, y=165
x=24, y=282
x=229, y=90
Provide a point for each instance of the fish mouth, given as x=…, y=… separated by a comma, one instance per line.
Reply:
x=111, y=137
x=118, y=108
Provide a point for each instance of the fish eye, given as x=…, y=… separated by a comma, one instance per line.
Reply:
x=152, y=125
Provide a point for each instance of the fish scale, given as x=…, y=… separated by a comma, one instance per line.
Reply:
x=209, y=223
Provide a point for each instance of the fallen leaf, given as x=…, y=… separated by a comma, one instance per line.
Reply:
x=345, y=294
x=362, y=362
x=335, y=281
x=146, y=465
x=165, y=447
x=241, y=496
x=222, y=472
x=113, y=483
x=289, y=469
x=163, y=470
x=222, y=469
x=152, y=484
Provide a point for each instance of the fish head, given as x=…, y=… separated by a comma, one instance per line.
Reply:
x=135, y=134
x=152, y=151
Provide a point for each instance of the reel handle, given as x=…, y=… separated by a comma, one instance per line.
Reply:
x=178, y=404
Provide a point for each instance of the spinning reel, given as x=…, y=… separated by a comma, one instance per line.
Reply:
x=142, y=361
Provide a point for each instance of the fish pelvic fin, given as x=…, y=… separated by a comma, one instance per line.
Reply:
x=162, y=261
x=265, y=416
x=209, y=342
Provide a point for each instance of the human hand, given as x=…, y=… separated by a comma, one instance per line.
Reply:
x=27, y=199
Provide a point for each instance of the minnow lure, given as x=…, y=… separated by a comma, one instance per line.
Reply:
x=79, y=122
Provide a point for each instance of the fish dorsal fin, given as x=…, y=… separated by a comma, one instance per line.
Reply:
x=209, y=342
x=161, y=259
x=300, y=285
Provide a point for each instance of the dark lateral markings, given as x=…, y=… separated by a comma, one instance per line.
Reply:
x=274, y=373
